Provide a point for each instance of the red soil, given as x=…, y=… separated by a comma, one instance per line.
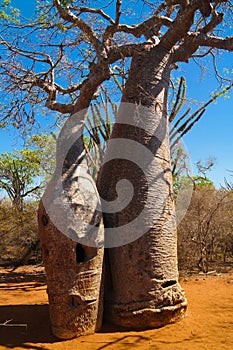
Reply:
x=208, y=325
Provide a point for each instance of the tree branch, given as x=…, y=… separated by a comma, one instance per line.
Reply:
x=214, y=41
x=69, y=89
x=143, y=28
x=216, y=19
x=26, y=53
x=194, y=40
x=118, y=11
x=67, y=15
x=97, y=11
x=180, y=26
x=116, y=53
x=31, y=190
x=59, y=107
x=98, y=73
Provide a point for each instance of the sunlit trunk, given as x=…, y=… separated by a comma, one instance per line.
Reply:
x=72, y=257
x=142, y=288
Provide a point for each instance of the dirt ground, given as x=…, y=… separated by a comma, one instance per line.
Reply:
x=208, y=325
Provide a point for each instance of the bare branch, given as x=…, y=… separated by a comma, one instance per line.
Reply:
x=60, y=107
x=180, y=26
x=215, y=20
x=31, y=190
x=98, y=73
x=143, y=28
x=204, y=54
x=118, y=52
x=67, y=15
x=169, y=5
x=69, y=89
x=194, y=40
x=97, y=11
x=214, y=41
x=26, y=53
x=118, y=11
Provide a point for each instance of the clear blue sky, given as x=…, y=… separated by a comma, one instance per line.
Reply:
x=211, y=137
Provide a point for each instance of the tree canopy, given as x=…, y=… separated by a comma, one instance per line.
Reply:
x=60, y=56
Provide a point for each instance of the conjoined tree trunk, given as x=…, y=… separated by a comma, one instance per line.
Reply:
x=142, y=289
x=71, y=250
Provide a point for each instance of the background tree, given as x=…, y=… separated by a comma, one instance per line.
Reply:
x=205, y=233
x=45, y=146
x=20, y=244
x=19, y=171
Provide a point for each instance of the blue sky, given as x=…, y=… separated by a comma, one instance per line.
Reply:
x=211, y=137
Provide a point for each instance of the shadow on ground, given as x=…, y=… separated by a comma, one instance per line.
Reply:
x=31, y=326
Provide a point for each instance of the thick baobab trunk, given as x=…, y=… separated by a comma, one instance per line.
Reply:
x=142, y=289
x=70, y=246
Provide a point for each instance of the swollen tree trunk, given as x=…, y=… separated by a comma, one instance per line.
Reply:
x=70, y=231
x=142, y=289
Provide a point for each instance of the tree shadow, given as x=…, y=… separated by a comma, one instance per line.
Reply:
x=23, y=286
x=128, y=342
x=12, y=276
x=33, y=326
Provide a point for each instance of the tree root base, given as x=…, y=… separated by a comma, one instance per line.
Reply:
x=66, y=334
x=146, y=318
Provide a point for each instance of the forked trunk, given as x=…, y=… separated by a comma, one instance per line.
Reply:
x=70, y=251
x=142, y=289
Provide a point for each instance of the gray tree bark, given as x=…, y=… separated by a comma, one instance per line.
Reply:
x=71, y=254
x=142, y=289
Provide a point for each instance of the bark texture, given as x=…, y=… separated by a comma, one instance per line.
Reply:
x=142, y=289
x=73, y=273
x=73, y=263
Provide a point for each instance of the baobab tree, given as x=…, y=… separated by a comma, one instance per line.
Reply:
x=60, y=59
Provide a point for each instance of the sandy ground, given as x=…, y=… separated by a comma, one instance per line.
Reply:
x=209, y=324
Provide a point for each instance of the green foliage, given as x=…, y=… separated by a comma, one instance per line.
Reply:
x=181, y=177
x=180, y=183
x=5, y=4
x=65, y=3
x=196, y=182
x=8, y=12
x=201, y=182
x=45, y=146
x=18, y=172
x=3, y=15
